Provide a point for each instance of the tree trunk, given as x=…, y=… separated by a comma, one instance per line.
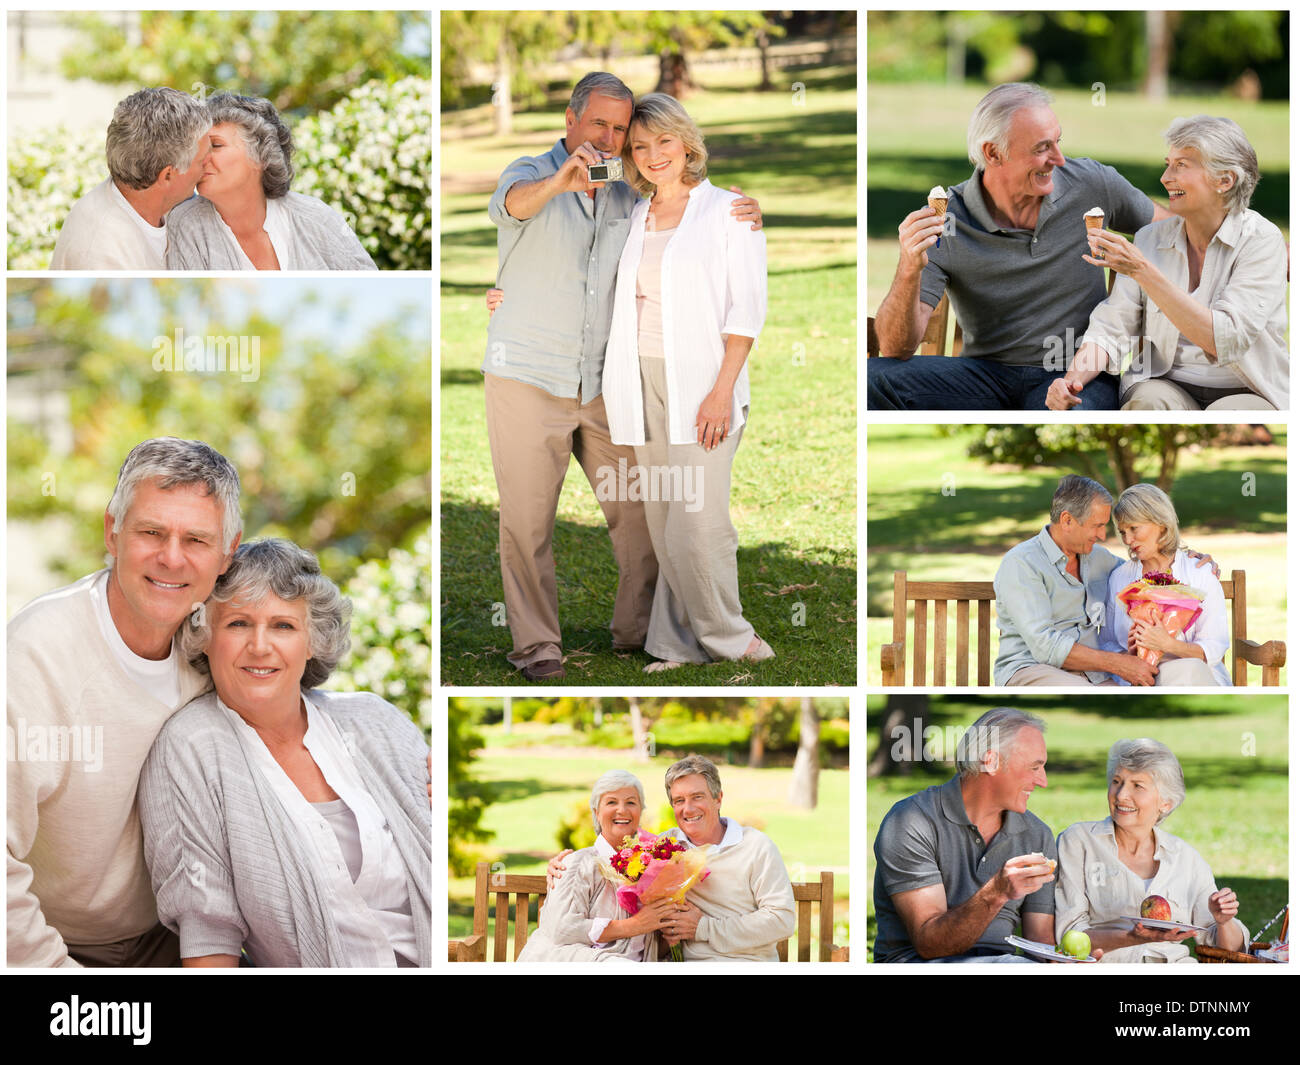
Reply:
x=506, y=712
x=765, y=78
x=757, y=750
x=911, y=712
x=803, y=783
x=674, y=74
x=1155, y=81
x=640, y=749
x=501, y=89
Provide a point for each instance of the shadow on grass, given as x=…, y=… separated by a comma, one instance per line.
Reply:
x=802, y=605
x=526, y=788
x=888, y=205
x=957, y=707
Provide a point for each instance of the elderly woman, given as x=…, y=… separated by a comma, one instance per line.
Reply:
x=282, y=822
x=1108, y=867
x=1202, y=295
x=582, y=920
x=1147, y=523
x=689, y=302
x=245, y=217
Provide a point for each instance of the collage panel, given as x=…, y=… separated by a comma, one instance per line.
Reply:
x=1089, y=227
x=648, y=828
x=988, y=564
x=649, y=449
x=219, y=637
x=1079, y=829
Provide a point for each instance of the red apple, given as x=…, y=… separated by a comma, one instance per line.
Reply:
x=1157, y=908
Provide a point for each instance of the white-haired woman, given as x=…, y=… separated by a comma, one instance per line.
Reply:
x=1146, y=521
x=1106, y=868
x=581, y=919
x=1201, y=300
x=245, y=217
x=283, y=823
x=690, y=300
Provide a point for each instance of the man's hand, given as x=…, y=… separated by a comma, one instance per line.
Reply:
x=1064, y=394
x=572, y=175
x=555, y=869
x=920, y=230
x=683, y=924
x=1203, y=560
x=1136, y=671
x=495, y=297
x=746, y=209
x=1143, y=934
x=1024, y=875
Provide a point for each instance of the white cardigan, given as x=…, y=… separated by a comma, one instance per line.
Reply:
x=1243, y=280
x=714, y=284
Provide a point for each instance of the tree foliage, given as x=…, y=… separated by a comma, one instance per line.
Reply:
x=306, y=60
x=467, y=798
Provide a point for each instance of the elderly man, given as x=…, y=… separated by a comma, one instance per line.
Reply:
x=1011, y=260
x=93, y=675
x=156, y=146
x=745, y=907
x=559, y=239
x=959, y=865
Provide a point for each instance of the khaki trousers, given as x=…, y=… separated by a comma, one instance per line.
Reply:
x=532, y=434
x=696, y=615
x=1158, y=393
x=1041, y=673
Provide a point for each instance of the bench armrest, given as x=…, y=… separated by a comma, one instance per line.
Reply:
x=471, y=948
x=893, y=657
x=1270, y=654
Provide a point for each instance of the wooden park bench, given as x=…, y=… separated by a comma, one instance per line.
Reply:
x=510, y=895
x=925, y=595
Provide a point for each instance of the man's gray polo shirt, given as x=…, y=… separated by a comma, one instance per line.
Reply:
x=928, y=839
x=557, y=270
x=1043, y=611
x=1014, y=289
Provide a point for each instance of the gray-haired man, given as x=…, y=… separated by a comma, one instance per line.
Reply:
x=156, y=146
x=960, y=864
x=559, y=239
x=93, y=675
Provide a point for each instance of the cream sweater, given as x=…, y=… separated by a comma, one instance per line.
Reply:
x=746, y=899
x=79, y=732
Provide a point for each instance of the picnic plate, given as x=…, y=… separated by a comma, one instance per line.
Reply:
x=1043, y=950
x=1163, y=926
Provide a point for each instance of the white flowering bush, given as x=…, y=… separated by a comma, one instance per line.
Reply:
x=370, y=158
x=392, y=632
x=47, y=175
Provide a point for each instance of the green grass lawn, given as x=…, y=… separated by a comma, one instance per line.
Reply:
x=1234, y=757
x=912, y=525
x=794, y=480
x=917, y=139
x=540, y=785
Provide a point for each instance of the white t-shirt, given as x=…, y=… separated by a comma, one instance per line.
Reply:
x=160, y=677
x=104, y=232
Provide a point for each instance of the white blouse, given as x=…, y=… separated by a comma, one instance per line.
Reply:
x=714, y=283
x=1093, y=887
x=373, y=912
x=277, y=226
x=1210, y=631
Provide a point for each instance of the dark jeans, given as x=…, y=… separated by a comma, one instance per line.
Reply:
x=946, y=382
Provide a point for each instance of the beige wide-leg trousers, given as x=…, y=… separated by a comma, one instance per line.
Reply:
x=532, y=434
x=696, y=615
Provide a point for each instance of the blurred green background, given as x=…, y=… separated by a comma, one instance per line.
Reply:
x=1233, y=750
x=792, y=145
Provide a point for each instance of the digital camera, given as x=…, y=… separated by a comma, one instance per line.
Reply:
x=609, y=170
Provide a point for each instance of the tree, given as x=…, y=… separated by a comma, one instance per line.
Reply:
x=296, y=59
x=803, y=782
x=466, y=798
x=910, y=712
x=1120, y=454
x=675, y=34
x=516, y=43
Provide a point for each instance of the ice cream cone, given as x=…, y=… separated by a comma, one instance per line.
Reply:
x=938, y=199
x=1093, y=222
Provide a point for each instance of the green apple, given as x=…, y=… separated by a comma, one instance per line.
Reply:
x=1076, y=944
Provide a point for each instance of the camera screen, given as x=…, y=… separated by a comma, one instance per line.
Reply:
x=598, y=173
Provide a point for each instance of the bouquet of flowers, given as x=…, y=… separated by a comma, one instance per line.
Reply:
x=648, y=868
x=1160, y=599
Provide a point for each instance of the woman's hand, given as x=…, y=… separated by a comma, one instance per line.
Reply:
x=683, y=923
x=1119, y=254
x=1064, y=394
x=651, y=917
x=1154, y=637
x=495, y=297
x=1224, y=906
x=1142, y=934
x=714, y=418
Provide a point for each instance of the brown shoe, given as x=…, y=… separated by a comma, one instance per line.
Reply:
x=545, y=669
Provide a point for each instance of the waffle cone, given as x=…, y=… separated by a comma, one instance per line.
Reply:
x=940, y=204
x=1093, y=221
